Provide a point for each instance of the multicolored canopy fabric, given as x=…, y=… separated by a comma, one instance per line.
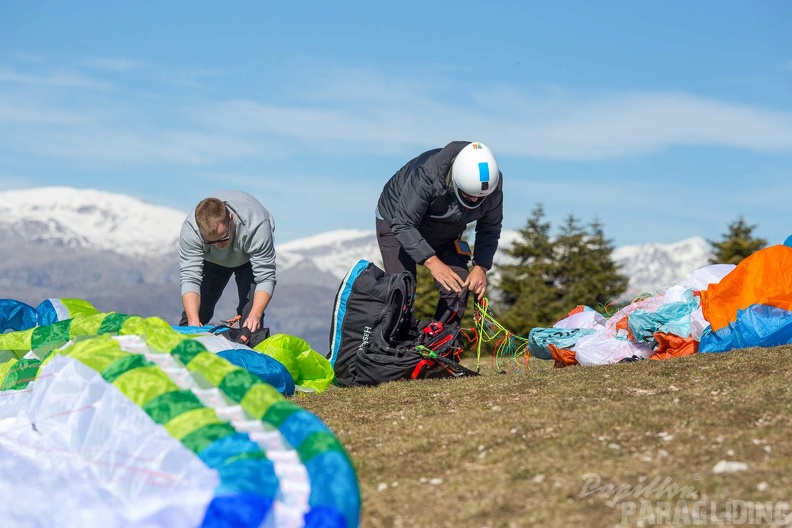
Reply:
x=166, y=431
x=752, y=306
x=670, y=322
x=715, y=309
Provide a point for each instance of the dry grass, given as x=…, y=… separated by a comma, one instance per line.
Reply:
x=513, y=449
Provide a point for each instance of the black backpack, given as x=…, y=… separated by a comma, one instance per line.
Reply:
x=375, y=339
x=433, y=351
x=370, y=306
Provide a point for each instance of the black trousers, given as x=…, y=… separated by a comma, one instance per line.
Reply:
x=395, y=259
x=214, y=280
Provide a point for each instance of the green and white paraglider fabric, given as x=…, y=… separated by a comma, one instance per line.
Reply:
x=115, y=420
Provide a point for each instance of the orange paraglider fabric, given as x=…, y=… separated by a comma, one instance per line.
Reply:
x=763, y=278
x=670, y=345
x=563, y=356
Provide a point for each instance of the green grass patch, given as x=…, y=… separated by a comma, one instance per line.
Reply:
x=517, y=449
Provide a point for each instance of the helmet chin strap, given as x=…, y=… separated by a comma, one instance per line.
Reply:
x=465, y=203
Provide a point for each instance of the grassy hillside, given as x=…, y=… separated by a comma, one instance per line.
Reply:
x=551, y=447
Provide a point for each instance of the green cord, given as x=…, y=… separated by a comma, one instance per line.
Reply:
x=510, y=349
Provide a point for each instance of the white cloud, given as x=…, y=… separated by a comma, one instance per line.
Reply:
x=311, y=123
x=113, y=64
x=59, y=79
x=140, y=146
x=633, y=124
x=362, y=112
x=358, y=87
x=23, y=113
x=110, y=134
x=558, y=127
x=22, y=56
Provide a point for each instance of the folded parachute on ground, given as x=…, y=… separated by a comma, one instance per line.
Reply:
x=752, y=306
x=116, y=420
x=716, y=308
x=282, y=360
x=662, y=326
x=16, y=315
x=265, y=368
x=312, y=371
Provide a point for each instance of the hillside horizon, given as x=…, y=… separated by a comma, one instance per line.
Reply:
x=121, y=254
x=90, y=213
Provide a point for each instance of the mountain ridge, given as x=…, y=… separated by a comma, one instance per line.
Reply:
x=122, y=254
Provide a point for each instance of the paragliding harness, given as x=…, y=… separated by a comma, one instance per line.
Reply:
x=374, y=337
x=241, y=335
x=440, y=345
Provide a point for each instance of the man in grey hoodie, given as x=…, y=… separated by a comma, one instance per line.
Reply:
x=230, y=233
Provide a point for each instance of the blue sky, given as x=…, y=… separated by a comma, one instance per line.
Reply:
x=662, y=120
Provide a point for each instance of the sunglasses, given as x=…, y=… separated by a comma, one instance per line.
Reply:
x=219, y=240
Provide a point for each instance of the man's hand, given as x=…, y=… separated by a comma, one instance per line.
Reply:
x=477, y=281
x=447, y=278
x=252, y=322
x=260, y=301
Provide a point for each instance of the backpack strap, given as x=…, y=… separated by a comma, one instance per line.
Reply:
x=452, y=311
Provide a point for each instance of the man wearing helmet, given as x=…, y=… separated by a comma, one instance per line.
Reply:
x=230, y=233
x=425, y=208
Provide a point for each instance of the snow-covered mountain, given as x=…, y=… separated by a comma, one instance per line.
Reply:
x=121, y=254
x=100, y=221
x=327, y=256
x=107, y=222
x=89, y=219
x=650, y=267
x=653, y=267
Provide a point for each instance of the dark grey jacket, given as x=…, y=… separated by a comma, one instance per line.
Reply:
x=420, y=206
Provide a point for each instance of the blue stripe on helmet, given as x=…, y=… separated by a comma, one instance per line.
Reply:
x=484, y=171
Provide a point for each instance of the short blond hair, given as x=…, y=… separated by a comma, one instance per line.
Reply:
x=209, y=214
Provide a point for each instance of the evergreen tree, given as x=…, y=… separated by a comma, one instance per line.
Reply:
x=426, y=295
x=548, y=278
x=585, y=272
x=737, y=244
x=526, y=286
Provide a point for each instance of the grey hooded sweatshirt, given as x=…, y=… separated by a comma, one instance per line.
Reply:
x=252, y=242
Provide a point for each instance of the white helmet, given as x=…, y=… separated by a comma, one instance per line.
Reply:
x=475, y=173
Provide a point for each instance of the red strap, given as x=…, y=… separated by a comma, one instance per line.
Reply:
x=420, y=366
